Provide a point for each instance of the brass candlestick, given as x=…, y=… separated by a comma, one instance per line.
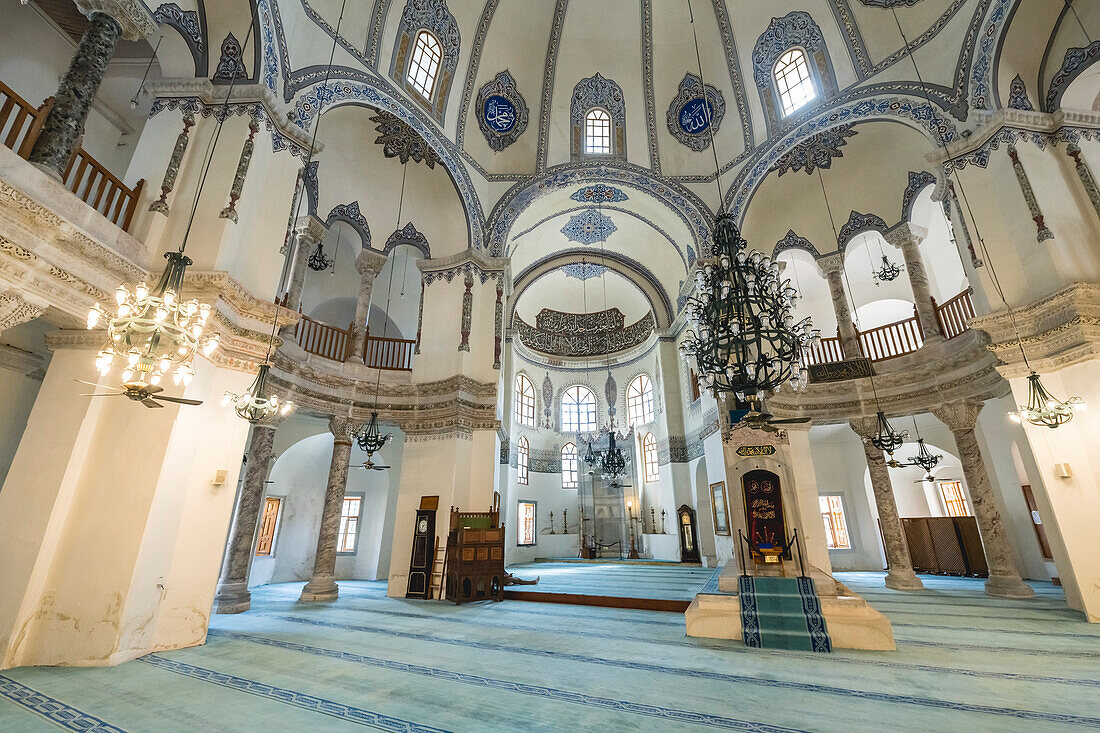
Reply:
x=653, y=519
x=633, y=545
x=565, y=521
x=552, y=523
x=663, y=522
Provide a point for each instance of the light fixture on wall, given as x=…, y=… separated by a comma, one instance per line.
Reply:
x=744, y=339
x=1042, y=409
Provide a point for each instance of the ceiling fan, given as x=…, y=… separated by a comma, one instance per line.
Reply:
x=146, y=394
x=762, y=420
x=933, y=479
x=370, y=466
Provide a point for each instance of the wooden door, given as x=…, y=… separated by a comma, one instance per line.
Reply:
x=689, y=534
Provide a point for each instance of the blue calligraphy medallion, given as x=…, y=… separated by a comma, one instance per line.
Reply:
x=695, y=116
x=499, y=113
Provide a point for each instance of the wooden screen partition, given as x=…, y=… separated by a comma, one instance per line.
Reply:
x=945, y=546
x=20, y=124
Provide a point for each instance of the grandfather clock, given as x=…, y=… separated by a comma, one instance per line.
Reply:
x=423, y=549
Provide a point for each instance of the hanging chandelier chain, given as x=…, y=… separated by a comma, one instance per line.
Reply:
x=707, y=112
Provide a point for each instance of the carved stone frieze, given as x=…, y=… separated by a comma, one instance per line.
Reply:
x=134, y=18
x=15, y=310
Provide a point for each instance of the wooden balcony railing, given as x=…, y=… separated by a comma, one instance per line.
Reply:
x=335, y=343
x=893, y=339
x=954, y=314
x=825, y=351
x=20, y=124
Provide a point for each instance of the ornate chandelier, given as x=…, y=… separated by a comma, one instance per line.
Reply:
x=888, y=271
x=744, y=338
x=887, y=439
x=369, y=438
x=1044, y=409
x=254, y=404
x=153, y=332
x=317, y=261
x=924, y=458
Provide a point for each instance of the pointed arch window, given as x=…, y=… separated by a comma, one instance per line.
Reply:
x=523, y=408
x=793, y=81
x=523, y=458
x=578, y=410
x=423, y=70
x=597, y=132
x=569, y=466
x=639, y=401
x=649, y=458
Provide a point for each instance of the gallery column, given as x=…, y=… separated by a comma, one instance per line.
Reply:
x=308, y=231
x=322, y=585
x=907, y=237
x=110, y=20
x=1004, y=578
x=833, y=265
x=232, y=595
x=369, y=263
x=899, y=572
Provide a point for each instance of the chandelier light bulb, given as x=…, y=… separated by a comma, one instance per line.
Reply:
x=142, y=291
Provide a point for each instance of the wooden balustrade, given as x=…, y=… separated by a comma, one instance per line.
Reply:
x=389, y=354
x=892, y=339
x=825, y=351
x=20, y=124
x=954, y=314
x=322, y=339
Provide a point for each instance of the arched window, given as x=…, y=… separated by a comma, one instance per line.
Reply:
x=424, y=64
x=578, y=410
x=524, y=407
x=569, y=466
x=597, y=132
x=639, y=401
x=523, y=456
x=793, y=81
x=649, y=458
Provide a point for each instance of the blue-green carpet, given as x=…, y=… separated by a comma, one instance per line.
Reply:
x=965, y=662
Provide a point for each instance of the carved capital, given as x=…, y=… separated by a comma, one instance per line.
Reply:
x=15, y=310
x=136, y=21
x=342, y=428
x=865, y=427
x=310, y=229
x=369, y=261
x=958, y=416
x=906, y=234
x=831, y=263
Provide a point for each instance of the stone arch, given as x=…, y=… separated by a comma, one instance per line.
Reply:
x=408, y=235
x=917, y=183
x=857, y=224
x=350, y=215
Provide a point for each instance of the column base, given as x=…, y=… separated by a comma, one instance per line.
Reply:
x=901, y=580
x=232, y=598
x=1008, y=586
x=320, y=589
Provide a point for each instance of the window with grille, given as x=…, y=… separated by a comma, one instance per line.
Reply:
x=348, y=537
x=270, y=518
x=424, y=64
x=578, y=410
x=597, y=132
x=793, y=81
x=524, y=406
x=569, y=466
x=639, y=401
x=649, y=458
x=526, y=523
x=836, y=528
x=954, y=500
x=523, y=459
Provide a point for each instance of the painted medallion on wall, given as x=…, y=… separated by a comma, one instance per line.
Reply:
x=694, y=116
x=501, y=111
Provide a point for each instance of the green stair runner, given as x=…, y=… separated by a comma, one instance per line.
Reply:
x=782, y=613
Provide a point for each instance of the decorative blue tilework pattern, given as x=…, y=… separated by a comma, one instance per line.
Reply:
x=1017, y=95
x=62, y=715
x=597, y=91
x=815, y=621
x=599, y=193
x=981, y=69
x=816, y=151
x=583, y=270
x=351, y=215
x=792, y=241
x=1076, y=60
x=289, y=697
x=917, y=183
x=858, y=223
x=589, y=227
x=691, y=120
x=750, y=618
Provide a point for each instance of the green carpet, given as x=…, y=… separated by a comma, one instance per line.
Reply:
x=782, y=613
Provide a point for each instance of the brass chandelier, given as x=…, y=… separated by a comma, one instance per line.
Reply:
x=1043, y=408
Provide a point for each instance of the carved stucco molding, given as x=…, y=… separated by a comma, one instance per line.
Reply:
x=136, y=20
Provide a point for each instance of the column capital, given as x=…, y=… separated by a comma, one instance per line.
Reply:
x=906, y=233
x=15, y=309
x=865, y=427
x=342, y=428
x=958, y=416
x=831, y=263
x=136, y=21
x=310, y=229
x=369, y=261
x=270, y=423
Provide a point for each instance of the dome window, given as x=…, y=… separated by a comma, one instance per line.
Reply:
x=578, y=410
x=793, y=81
x=524, y=407
x=569, y=466
x=597, y=132
x=424, y=64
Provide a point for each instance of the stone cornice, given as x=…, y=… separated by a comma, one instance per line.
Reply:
x=484, y=263
x=212, y=96
x=993, y=123
x=946, y=371
x=1056, y=331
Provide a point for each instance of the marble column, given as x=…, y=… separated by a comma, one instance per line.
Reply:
x=907, y=238
x=232, y=595
x=1004, y=578
x=833, y=266
x=322, y=584
x=308, y=231
x=368, y=264
x=899, y=573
